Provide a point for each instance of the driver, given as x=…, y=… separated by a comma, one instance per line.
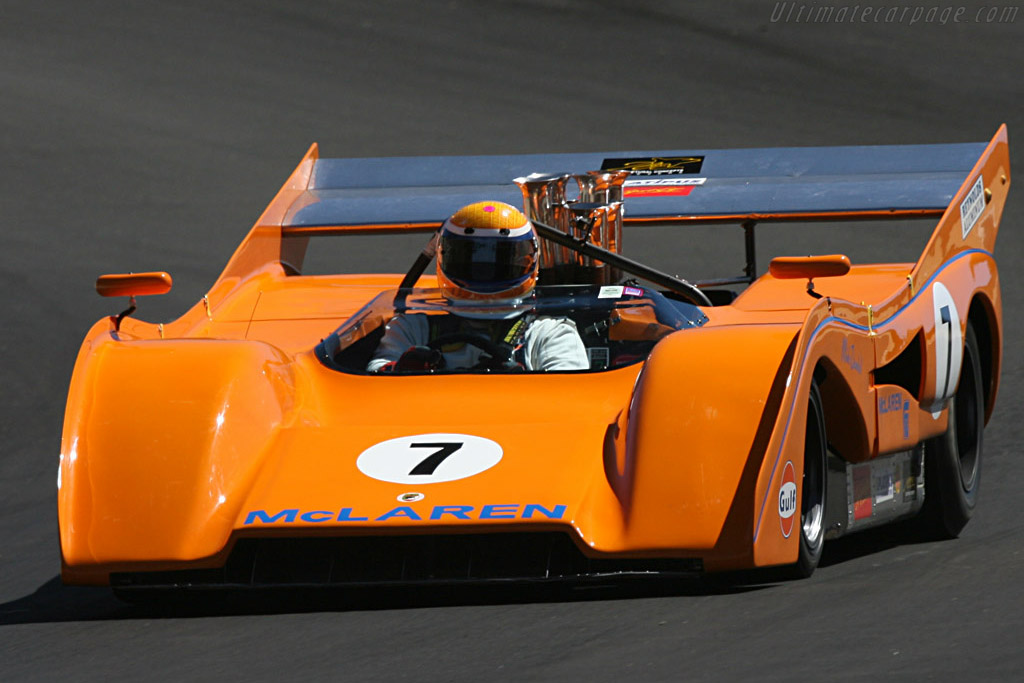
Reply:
x=487, y=266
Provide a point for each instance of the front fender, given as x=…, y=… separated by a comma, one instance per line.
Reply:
x=701, y=416
x=161, y=441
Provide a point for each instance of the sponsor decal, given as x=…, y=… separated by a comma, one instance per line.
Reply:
x=655, y=166
x=889, y=404
x=405, y=513
x=862, y=506
x=972, y=207
x=910, y=489
x=599, y=357
x=658, y=191
x=906, y=420
x=429, y=458
x=882, y=485
x=632, y=291
x=660, y=182
x=610, y=292
x=895, y=403
x=410, y=497
x=851, y=356
x=787, y=499
x=660, y=186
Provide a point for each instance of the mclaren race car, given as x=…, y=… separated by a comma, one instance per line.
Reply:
x=722, y=424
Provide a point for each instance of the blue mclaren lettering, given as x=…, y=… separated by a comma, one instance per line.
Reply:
x=499, y=511
x=550, y=514
x=456, y=511
x=346, y=516
x=402, y=511
x=408, y=514
x=889, y=404
x=851, y=357
x=261, y=515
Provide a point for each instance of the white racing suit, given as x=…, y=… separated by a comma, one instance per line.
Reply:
x=546, y=344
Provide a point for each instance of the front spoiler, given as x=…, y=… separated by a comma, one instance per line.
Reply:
x=455, y=559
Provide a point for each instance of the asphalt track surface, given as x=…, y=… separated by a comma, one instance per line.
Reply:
x=139, y=136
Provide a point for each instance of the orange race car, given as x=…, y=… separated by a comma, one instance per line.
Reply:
x=255, y=441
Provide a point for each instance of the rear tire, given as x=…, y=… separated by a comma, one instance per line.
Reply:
x=813, y=489
x=952, y=462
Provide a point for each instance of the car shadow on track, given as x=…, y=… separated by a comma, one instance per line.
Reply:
x=55, y=602
x=906, y=533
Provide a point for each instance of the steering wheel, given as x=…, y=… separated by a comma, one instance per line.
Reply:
x=500, y=356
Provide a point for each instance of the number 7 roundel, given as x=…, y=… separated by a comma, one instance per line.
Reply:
x=949, y=346
x=429, y=458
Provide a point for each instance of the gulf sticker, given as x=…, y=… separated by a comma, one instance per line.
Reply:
x=657, y=191
x=862, y=505
x=787, y=499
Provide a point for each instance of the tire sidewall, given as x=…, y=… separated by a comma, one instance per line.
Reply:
x=952, y=503
x=810, y=550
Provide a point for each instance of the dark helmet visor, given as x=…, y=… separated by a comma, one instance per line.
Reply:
x=485, y=264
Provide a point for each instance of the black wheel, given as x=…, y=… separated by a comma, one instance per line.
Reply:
x=952, y=462
x=813, y=488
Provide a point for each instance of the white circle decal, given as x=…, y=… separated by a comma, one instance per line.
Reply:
x=429, y=458
x=949, y=347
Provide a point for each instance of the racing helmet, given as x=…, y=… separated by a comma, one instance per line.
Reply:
x=487, y=255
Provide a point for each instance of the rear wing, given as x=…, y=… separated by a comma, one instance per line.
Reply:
x=746, y=186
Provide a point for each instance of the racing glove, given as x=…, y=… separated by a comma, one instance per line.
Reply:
x=419, y=359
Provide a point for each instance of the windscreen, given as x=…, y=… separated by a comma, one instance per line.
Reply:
x=618, y=325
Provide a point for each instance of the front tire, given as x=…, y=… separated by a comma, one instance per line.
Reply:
x=952, y=462
x=813, y=488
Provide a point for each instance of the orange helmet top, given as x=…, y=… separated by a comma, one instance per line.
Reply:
x=487, y=253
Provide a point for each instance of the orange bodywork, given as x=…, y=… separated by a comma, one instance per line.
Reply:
x=181, y=438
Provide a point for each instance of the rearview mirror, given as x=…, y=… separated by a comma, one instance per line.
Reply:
x=810, y=267
x=134, y=284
